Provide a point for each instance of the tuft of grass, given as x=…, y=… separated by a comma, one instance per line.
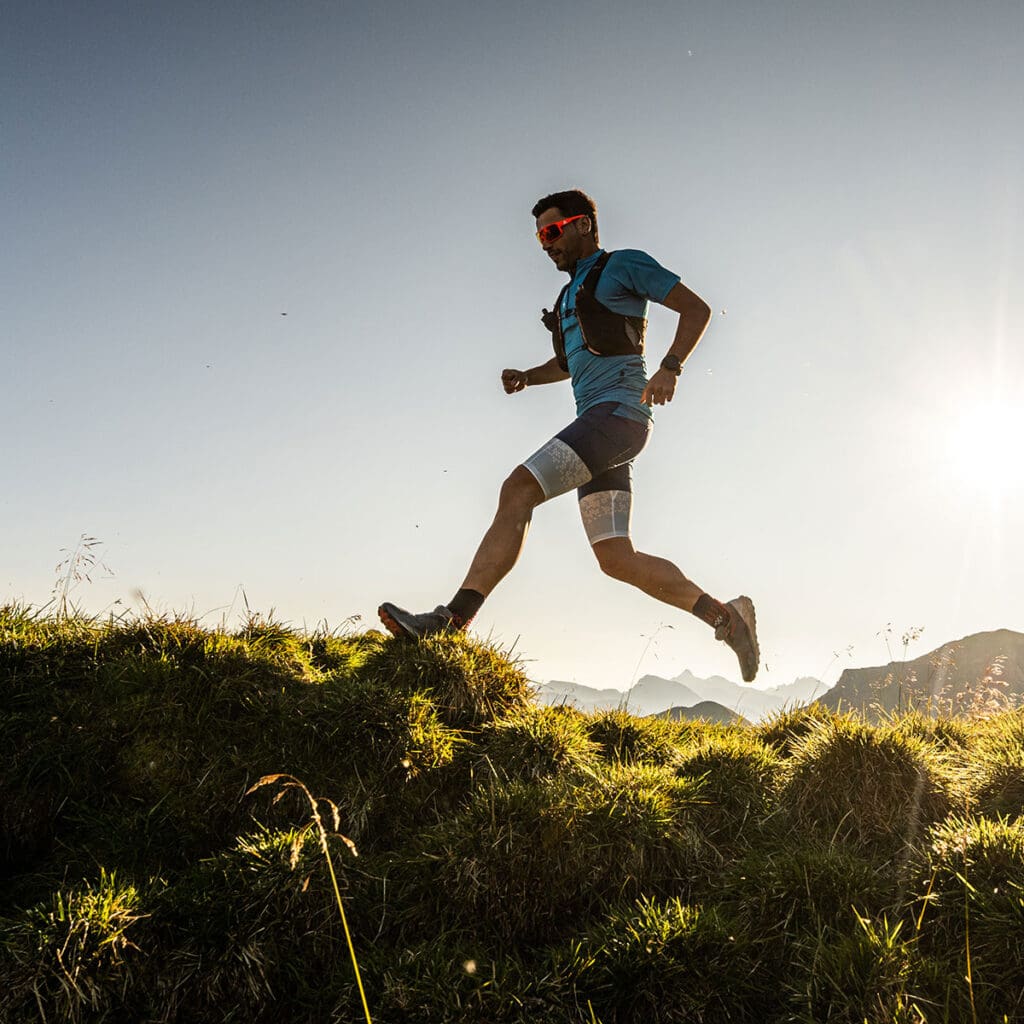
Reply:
x=393, y=758
x=800, y=885
x=288, y=782
x=468, y=682
x=261, y=646
x=953, y=735
x=999, y=782
x=343, y=654
x=787, y=726
x=624, y=738
x=739, y=777
x=74, y=955
x=538, y=742
x=871, y=975
x=257, y=928
x=972, y=912
x=874, y=787
x=996, y=777
x=529, y=861
x=661, y=960
x=35, y=650
x=450, y=978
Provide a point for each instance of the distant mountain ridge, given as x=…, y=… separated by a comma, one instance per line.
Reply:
x=975, y=668
x=749, y=702
x=654, y=694
x=978, y=667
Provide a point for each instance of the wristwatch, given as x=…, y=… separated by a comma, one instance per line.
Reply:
x=672, y=364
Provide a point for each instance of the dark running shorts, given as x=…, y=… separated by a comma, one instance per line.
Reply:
x=594, y=456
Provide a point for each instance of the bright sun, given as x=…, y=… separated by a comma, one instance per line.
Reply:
x=986, y=447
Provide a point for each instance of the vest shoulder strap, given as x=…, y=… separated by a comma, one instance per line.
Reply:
x=594, y=274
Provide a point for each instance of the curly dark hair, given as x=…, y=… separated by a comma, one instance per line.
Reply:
x=571, y=203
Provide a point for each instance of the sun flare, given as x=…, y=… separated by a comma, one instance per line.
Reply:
x=985, y=447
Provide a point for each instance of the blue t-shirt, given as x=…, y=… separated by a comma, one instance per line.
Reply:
x=629, y=280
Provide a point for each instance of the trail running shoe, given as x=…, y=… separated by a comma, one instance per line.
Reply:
x=407, y=625
x=740, y=633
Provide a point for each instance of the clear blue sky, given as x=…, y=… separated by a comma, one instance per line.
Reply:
x=844, y=181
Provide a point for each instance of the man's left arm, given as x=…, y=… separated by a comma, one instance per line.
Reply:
x=694, y=317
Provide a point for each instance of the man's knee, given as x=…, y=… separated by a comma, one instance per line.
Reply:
x=617, y=558
x=520, y=490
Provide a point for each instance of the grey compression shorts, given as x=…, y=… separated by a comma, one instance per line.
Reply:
x=594, y=456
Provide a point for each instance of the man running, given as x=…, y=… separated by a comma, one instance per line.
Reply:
x=598, y=327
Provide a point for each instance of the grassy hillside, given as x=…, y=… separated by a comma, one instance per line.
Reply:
x=517, y=863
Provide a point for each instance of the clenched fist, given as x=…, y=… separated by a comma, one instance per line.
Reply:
x=513, y=381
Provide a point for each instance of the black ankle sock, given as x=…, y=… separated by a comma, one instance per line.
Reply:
x=708, y=610
x=464, y=606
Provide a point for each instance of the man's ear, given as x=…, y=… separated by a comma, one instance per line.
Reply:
x=589, y=226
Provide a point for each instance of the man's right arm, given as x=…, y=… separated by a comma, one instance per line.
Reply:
x=547, y=373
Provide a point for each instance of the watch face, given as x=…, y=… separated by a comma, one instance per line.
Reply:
x=671, y=363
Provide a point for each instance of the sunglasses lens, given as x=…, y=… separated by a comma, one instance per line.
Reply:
x=550, y=233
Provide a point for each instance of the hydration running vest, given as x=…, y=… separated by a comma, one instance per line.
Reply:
x=605, y=332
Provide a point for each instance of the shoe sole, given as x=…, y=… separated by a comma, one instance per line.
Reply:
x=745, y=610
x=393, y=626
x=391, y=616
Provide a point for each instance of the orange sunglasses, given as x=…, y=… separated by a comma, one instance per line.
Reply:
x=552, y=232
